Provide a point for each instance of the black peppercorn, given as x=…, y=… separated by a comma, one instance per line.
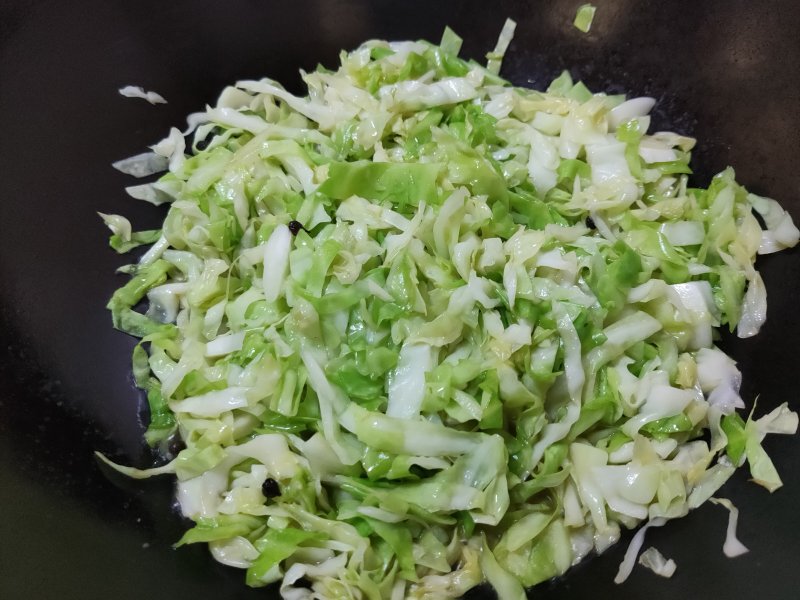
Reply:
x=270, y=488
x=590, y=223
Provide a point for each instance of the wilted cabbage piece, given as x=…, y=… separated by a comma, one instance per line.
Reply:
x=655, y=561
x=421, y=329
x=135, y=91
x=584, y=17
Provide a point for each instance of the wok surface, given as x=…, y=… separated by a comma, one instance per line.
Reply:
x=725, y=72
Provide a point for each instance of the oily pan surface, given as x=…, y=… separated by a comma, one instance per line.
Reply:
x=725, y=72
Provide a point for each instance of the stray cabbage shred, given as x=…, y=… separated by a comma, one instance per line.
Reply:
x=133, y=91
x=421, y=329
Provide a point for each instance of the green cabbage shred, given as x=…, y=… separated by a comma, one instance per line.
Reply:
x=584, y=17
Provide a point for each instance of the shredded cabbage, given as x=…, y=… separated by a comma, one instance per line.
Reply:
x=732, y=546
x=420, y=329
x=655, y=561
x=584, y=17
x=135, y=91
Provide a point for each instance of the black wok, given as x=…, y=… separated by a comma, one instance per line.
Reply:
x=727, y=72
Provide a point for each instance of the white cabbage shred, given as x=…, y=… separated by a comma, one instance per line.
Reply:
x=655, y=561
x=419, y=329
x=732, y=547
x=142, y=165
x=629, y=561
x=135, y=91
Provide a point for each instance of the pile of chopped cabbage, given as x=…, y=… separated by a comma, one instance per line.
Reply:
x=421, y=329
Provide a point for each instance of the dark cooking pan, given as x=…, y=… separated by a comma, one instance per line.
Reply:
x=727, y=72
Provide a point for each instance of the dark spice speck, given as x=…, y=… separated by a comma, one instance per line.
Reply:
x=175, y=445
x=590, y=223
x=295, y=227
x=270, y=488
